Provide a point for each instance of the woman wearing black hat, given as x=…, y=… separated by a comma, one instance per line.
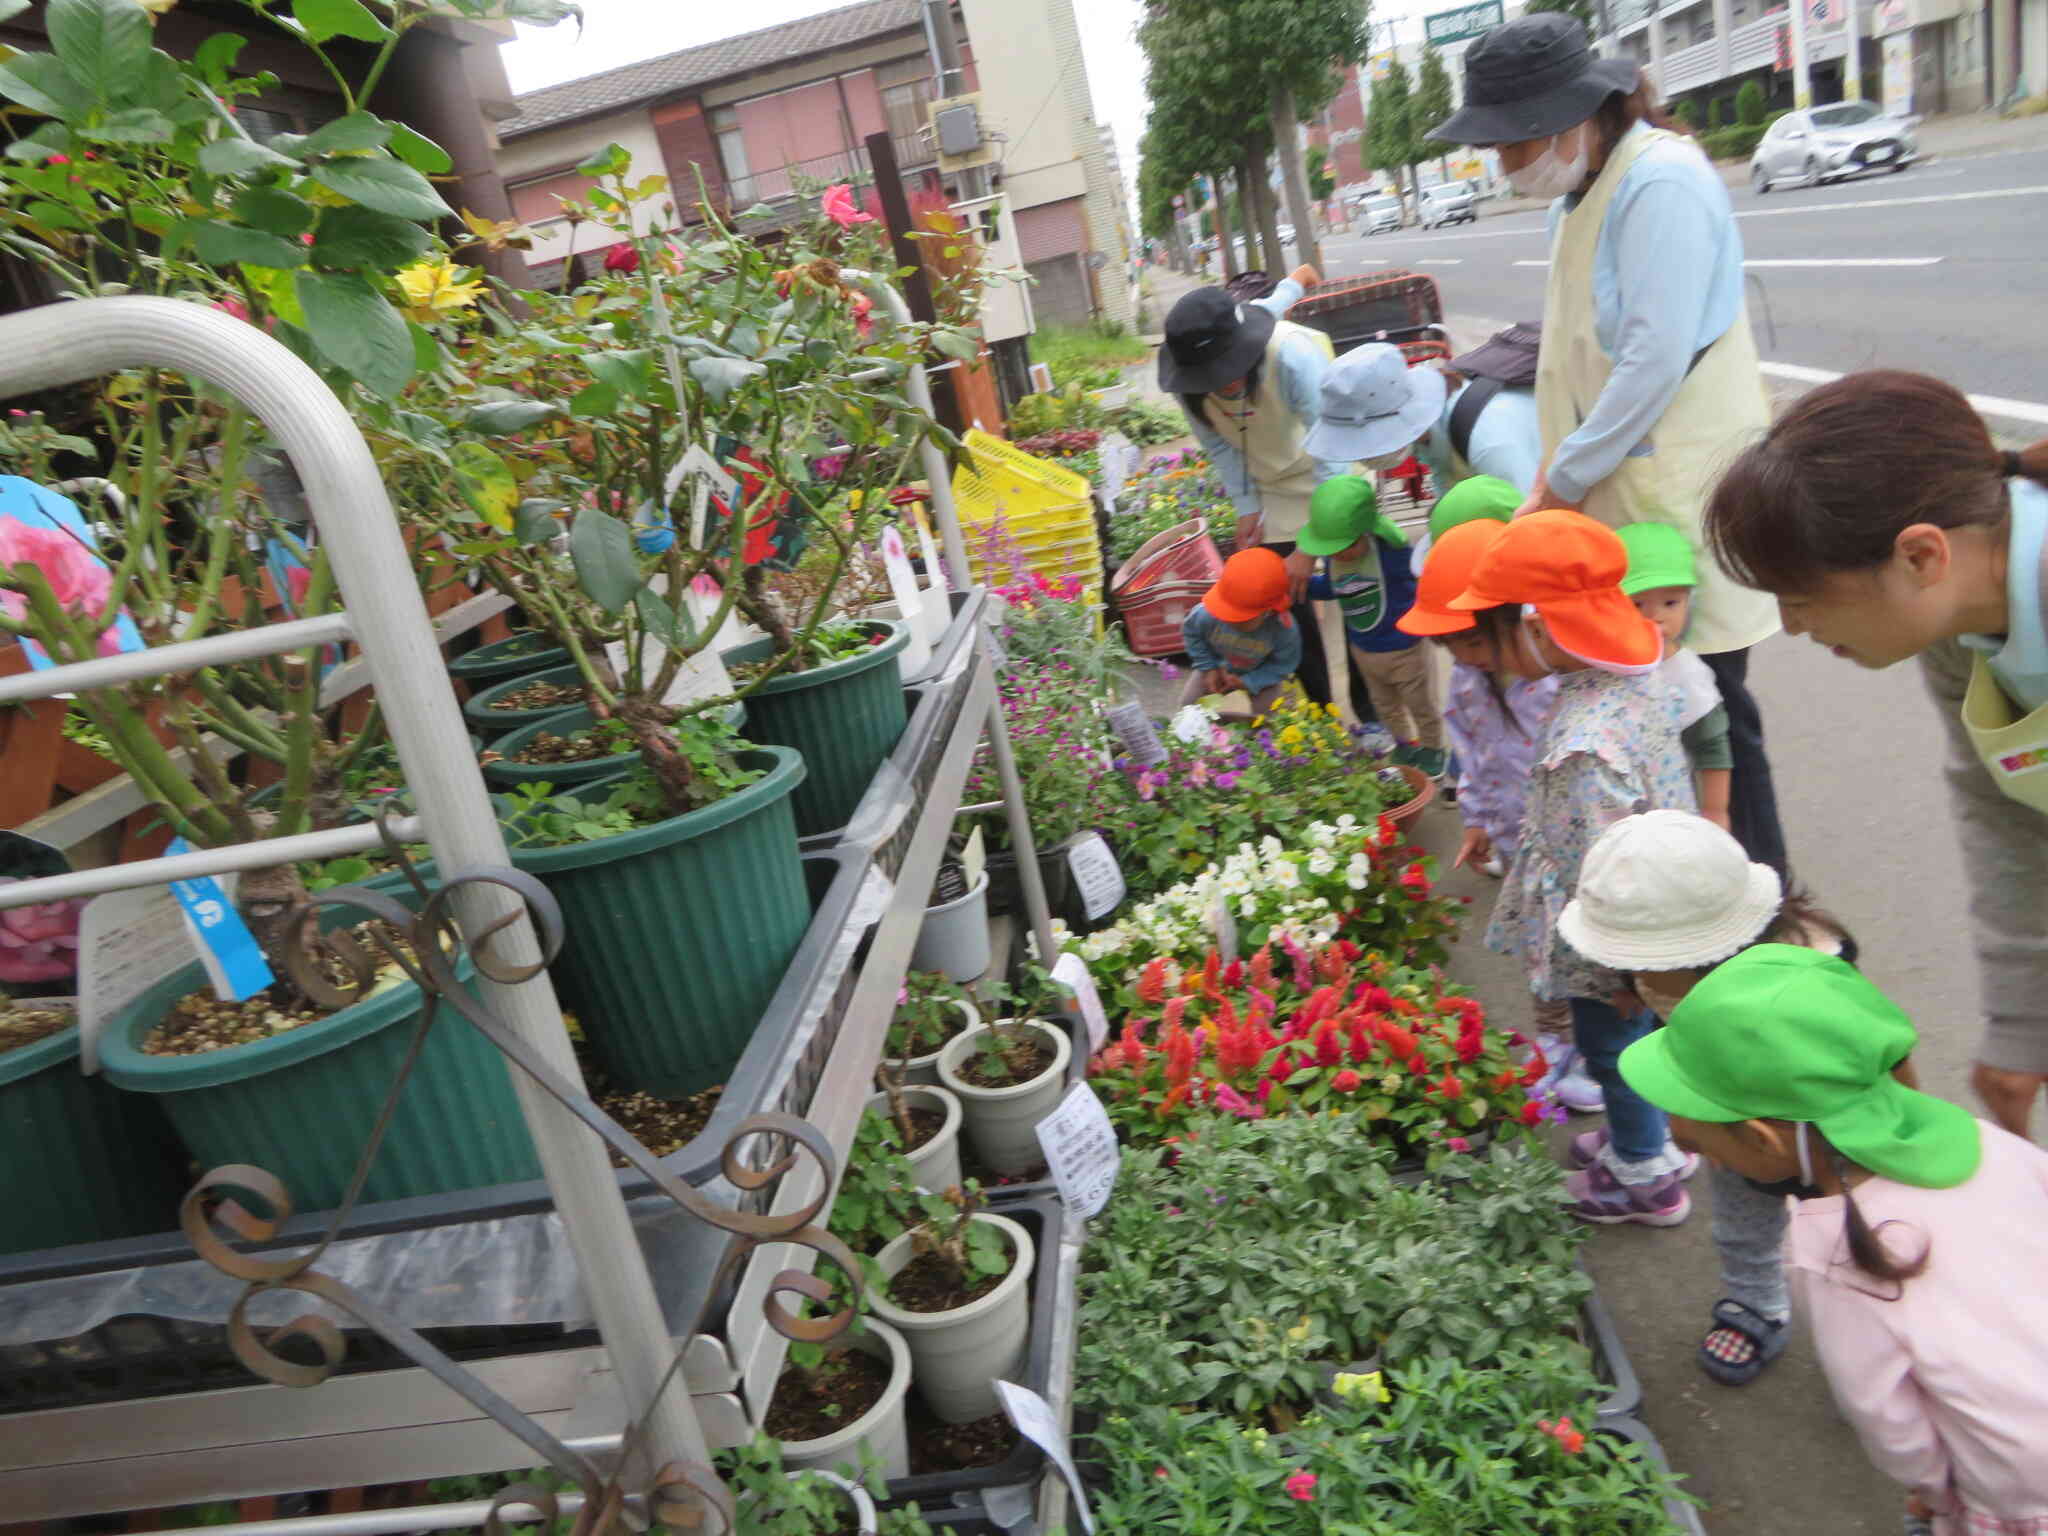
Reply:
x=1647, y=382
x=1251, y=385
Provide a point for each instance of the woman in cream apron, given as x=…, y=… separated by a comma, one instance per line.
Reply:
x=1250, y=383
x=1647, y=383
x=1889, y=525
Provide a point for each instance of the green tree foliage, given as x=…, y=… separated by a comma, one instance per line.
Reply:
x=1320, y=182
x=1434, y=100
x=1392, y=142
x=1579, y=10
x=1749, y=104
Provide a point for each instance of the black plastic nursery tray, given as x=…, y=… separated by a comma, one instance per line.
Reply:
x=778, y=1072
x=1045, y=1219
x=1683, y=1515
x=1610, y=1359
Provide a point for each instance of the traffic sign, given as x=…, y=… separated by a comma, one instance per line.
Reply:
x=1466, y=21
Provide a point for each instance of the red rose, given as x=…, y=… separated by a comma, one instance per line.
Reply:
x=623, y=257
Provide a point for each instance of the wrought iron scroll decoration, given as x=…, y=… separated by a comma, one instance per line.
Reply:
x=432, y=943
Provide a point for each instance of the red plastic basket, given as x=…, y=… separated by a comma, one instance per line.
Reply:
x=1184, y=552
x=1152, y=622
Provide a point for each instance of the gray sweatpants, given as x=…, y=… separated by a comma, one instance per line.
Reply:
x=1749, y=1235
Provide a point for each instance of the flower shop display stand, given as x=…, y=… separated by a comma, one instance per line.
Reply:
x=59, y=345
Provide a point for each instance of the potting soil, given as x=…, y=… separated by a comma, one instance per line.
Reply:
x=924, y=1125
x=661, y=1126
x=582, y=747
x=927, y=1284
x=937, y=1448
x=1024, y=1060
x=808, y=1405
x=200, y=1022
x=20, y=1026
x=539, y=696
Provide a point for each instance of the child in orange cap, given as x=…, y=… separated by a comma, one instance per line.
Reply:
x=1241, y=634
x=1610, y=749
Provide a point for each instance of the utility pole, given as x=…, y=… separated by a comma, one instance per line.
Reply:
x=1852, y=59
x=1802, y=79
x=950, y=78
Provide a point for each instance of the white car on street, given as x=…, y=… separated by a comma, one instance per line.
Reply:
x=1448, y=202
x=1381, y=213
x=1823, y=144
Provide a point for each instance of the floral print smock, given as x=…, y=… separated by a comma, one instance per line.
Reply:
x=1611, y=749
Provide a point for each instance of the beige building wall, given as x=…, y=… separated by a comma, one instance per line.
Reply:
x=562, y=149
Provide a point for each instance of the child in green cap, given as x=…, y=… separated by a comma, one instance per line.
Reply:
x=1918, y=1239
x=1364, y=565
x=1660, y=581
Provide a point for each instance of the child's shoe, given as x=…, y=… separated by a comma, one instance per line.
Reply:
x=1587, y=1147
x=1577, y=1091
x=1598, y=1196
x=1431, y=760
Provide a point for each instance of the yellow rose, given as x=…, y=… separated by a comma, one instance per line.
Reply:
x=435, y=288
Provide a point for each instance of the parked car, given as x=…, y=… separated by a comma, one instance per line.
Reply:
x=1448, y=202
x=1382, y=212
x=1823, y=144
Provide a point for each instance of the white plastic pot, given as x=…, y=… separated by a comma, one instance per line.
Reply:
x=954, y=938
x=1002, y=1122
x=925, y=1069
x=938, y=1161
x=957, y=1357
x=879, y=1433
x=863, y=1506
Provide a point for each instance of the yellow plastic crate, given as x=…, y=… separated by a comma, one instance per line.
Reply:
x=1025, y=492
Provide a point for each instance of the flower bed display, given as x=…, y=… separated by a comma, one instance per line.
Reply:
x=1170, y=489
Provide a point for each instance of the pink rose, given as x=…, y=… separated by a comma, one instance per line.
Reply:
x=39, y=943
x=837, y=205
x=77, y=577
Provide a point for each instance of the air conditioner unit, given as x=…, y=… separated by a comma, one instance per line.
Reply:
x=957, y=133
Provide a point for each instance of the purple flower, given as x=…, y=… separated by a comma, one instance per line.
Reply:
x=1226, y=781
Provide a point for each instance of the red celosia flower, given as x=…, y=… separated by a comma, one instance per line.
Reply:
x=1346, y=1081
x=1573, y=1441
x=1506, y=1080
x=1360, y=1049
x=1400, y=1044
x=1470, y=1049
x=1329, y=964
x=1152, y=981
x=1132, y=1046
x=1212, y=974
x=1468, y=1009
x=1176, y=1012
x=1450, y=1087
x=1262, y=969
x=1233, y=974
x=1329, y=1049
x=1388, y=831
x=1532, y=1113
x=1282, y=1068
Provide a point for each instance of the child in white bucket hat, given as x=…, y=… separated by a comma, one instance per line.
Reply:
x=1664, y=897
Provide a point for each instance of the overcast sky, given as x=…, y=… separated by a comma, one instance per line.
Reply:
x=619, y=32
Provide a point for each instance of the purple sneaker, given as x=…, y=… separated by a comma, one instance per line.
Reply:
x=1597, y=1196
x=1587, y=1146
x=1577, y=1091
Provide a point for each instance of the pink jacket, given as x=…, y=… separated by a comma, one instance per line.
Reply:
x=1948, y=1384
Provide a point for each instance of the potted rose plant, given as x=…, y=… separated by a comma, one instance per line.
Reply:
x=930, y=1010
x=1010, y=1073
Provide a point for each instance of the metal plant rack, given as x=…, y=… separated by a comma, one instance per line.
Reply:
x=402, y=1425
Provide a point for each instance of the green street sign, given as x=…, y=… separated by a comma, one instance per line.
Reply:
x=1466, y=21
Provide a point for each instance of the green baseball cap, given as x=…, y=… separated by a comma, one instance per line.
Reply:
x=1782, y=1032
x=1658, y=556
x=1341, y=512
x=1470, y=500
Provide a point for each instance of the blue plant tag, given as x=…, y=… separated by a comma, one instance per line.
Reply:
x=234, y=961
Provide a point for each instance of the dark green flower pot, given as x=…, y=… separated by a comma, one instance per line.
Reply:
x=678, y=933
x=845, y=719
x=90, y=1163
x=301, y=1104
x=505, y=774
x=518, y=656
x=484, y=715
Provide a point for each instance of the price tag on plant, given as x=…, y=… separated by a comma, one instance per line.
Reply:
x=1140, y=737
x=974, y=857
x=711, y=478
x=1081, y=1148
x=1097, y=875
x=909, y=601
x=1073, y=970
x=1224, y=925
x=1037, y=1423
x=234, y=961
x=127, y=942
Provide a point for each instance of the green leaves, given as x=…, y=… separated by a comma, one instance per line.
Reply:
x=534, y=520
x=630, y=374
x=221, y=245
x=487, y=484
x=273, y=211
x=502, y=418
x=324, y=19
x=388, y=186
x=362, y=237
x=103, y=43
x=612, y=160
x=357, y=131
x=601, y=548
x=134, y=125
x=40, y=82
x=419, y=151
x=356, y=329
x=720, y=376
x=241, y=157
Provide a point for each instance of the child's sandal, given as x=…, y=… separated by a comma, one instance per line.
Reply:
x=1757, y=1342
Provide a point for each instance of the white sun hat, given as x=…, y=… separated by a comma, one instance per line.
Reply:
x=1668, y=891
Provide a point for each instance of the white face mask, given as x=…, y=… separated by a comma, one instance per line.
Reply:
x=1549, y=175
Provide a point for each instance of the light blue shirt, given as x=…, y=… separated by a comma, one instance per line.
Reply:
x=1301, y=365
x=1667, y=281
x=2019, y=657
x=1506, y=442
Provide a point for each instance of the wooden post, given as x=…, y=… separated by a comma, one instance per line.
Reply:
x=917, y=289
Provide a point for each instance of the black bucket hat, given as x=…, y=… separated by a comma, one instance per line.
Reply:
x=1211, y=340
x=1531, y=77
x=1509, y=355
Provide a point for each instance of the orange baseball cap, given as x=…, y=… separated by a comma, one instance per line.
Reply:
x=1570, y=568
x=1446, y=573
x=1254, y=581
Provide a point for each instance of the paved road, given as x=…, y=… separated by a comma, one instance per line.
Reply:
x=1964, y=247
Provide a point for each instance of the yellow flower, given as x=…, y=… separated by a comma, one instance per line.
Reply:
x=1299, y=1332
x=435, y=288
x=1361, y=1386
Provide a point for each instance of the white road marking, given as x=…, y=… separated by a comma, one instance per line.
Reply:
x=1441, y=261
x=2028, y=411
x=1820, y=261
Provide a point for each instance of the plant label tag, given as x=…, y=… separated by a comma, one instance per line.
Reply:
x=710, y=477
x=234, y=962
x=127, y=942
x=974, y=857
x=1224, y=925
x=702, y=676
x=1097, y=875
x=938, y=609
x=1037, y=1423
x=1081, y=1148
x=917, y=655
x=1073, y=970
x=1140, y=737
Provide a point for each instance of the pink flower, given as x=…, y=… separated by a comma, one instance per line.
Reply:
x=39, y=943
x=233, y=307
x=58, y=160
x=1347, y=1082
x=837, y=205
x=1226, y=780
x=1459, y=1144
x=623, y=257
x=1301, y=1484
x=77, y=577
x=1233, y=1102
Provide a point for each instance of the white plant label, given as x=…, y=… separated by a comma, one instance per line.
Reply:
x=127, y=942
x=710, y=477
x=1134, y=728
x=1224, y=925
x=1073, y=970
x=1037, y=1423
x=1097, y=874
x=1080, y=1146
x=974, y=857
x=909, y=601
x=702, y=676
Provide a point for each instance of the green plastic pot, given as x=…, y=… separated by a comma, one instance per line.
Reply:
x=518, y=656
x=845, y=718
x=91, y=1163
x=301, y=1104
x=484, y=715
x=678, y=934
x=504, y=774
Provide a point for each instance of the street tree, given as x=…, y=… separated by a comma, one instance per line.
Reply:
x=1434, y=102
x=1392, y=143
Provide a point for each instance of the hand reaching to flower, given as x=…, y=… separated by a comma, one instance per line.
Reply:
x=1475, y=848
